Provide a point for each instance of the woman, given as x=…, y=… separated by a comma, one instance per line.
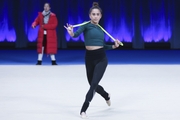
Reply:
x=95, y=58
x=47, y=38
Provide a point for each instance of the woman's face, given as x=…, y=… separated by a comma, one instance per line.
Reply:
x=46, y=7
x=95, y=16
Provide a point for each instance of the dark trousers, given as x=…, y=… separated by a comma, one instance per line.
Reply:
x=44, y=40
x=96, y=63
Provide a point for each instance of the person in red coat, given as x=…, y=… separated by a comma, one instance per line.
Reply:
x=47, y=37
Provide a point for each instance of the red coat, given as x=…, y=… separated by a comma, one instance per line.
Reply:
x=50, y=27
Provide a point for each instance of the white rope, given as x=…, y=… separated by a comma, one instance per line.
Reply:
x=101, y=29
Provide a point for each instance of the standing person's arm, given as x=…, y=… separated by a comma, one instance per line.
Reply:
x=53, y=25
x=35, y=23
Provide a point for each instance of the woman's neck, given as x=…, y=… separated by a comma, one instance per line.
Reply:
x=94, y=23
x=47, y=11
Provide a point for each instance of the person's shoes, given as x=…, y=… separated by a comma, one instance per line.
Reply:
x=39, y=62
x=108, y=101
x=83, y=115
x=54, y=62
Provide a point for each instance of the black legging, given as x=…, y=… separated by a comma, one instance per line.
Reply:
x=96, y=63
x=45, y=41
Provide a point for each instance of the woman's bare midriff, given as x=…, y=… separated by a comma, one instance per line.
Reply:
x=93, y=47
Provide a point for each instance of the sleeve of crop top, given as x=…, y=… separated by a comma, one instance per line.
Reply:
x=107, y=47
x=79, y=31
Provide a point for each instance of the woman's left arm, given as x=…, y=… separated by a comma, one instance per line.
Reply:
x=116, y=44
x=109, y=47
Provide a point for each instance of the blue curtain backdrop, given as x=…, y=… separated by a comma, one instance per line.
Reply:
x=131, y=21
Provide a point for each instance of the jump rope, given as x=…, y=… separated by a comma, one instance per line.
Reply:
x=77, y=25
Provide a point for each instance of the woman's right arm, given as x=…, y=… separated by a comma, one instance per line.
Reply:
x=69, y=29
x=35, y=23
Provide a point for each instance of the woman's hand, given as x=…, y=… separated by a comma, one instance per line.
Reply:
x=117, y=43
x=69, y=29
x=33, y=26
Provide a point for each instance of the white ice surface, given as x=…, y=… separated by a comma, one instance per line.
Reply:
x=138, y=92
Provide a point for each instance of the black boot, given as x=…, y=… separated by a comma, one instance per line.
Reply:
x=54, y=62
x=39, y=62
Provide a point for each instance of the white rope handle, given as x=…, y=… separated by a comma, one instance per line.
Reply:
x=101, y=29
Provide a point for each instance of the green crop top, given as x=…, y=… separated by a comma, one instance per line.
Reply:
x=93, y=35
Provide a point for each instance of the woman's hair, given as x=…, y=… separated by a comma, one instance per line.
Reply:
x=48, y=4
x=95, y=5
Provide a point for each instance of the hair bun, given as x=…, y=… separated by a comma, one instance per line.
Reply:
x=95, y=4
